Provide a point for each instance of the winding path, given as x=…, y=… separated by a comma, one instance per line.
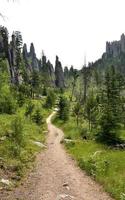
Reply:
x=56, y=176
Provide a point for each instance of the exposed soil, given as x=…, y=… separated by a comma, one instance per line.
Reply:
x=56, y=176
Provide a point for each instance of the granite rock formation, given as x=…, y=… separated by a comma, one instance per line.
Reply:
x=47, y=71
x=115, y=48
x=59, y=75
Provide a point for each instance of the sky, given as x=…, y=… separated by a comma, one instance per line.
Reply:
x=71, y=29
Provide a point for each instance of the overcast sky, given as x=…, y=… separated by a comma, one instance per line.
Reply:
x=67, y=28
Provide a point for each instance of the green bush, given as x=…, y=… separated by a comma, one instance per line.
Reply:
x=29, y=109
x=17, y=136
x=63, y=108
x=85, y=134
x=7, y=102
x=50, y=100
x=37, y=117
x=21, y=99
x=44, y=92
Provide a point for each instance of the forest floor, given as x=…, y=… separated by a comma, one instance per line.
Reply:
x=56, y=176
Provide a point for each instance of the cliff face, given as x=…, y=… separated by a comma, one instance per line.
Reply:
x=114, y=55
x=115, y=48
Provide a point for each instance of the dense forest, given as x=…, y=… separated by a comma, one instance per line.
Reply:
x=91, y=110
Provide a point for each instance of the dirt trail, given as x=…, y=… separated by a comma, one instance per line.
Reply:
x=56, y=176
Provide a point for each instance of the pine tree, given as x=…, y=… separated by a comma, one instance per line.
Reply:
x=110, y=108
x=75, y=77
x=90, y=109
x=50, y=100
x=63, y=108
x=77, y=111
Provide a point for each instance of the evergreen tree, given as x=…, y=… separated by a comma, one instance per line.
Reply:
x=86, y=73
x=90, y=109
x=110, y=108
x=37, y=117
x=63, y=108
x=50, y=100
x=77, y=111
x=75, y=76
x=35, y=83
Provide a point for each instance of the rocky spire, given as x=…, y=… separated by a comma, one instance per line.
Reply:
x=25, y=52
x=66, y=72
x=32, y=51
x=51, y=73
x=59, y=75
x=34, y=60
x=47, y=71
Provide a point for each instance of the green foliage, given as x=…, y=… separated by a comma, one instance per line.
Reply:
x=17, y=149
x=20, y=99
x=7, y=101
x=63, y=108
x=29, y=109
x=50, y=100
x=90, y=109
x=17, y=136
x=35, y=81
x=110, y=108
x=77, y=111
x=85, y=134
x=75, y=76
x=44, y=93
x=37, y=117
x=19, y=42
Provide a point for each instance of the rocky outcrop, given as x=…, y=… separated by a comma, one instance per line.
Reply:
x=22, y=63
x=47, y=71
x=25, y=52
x=66, y=72
x=30, y=59
x=115, y=48
x=51, y=73
x=33, y=58
x=59, y=75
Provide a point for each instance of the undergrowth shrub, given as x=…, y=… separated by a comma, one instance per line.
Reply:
x=7, y=102
x=21, y=99
x=29, y=109
x=50, y=100
x=17, y=136
x=85, y=134
x=37, y=117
